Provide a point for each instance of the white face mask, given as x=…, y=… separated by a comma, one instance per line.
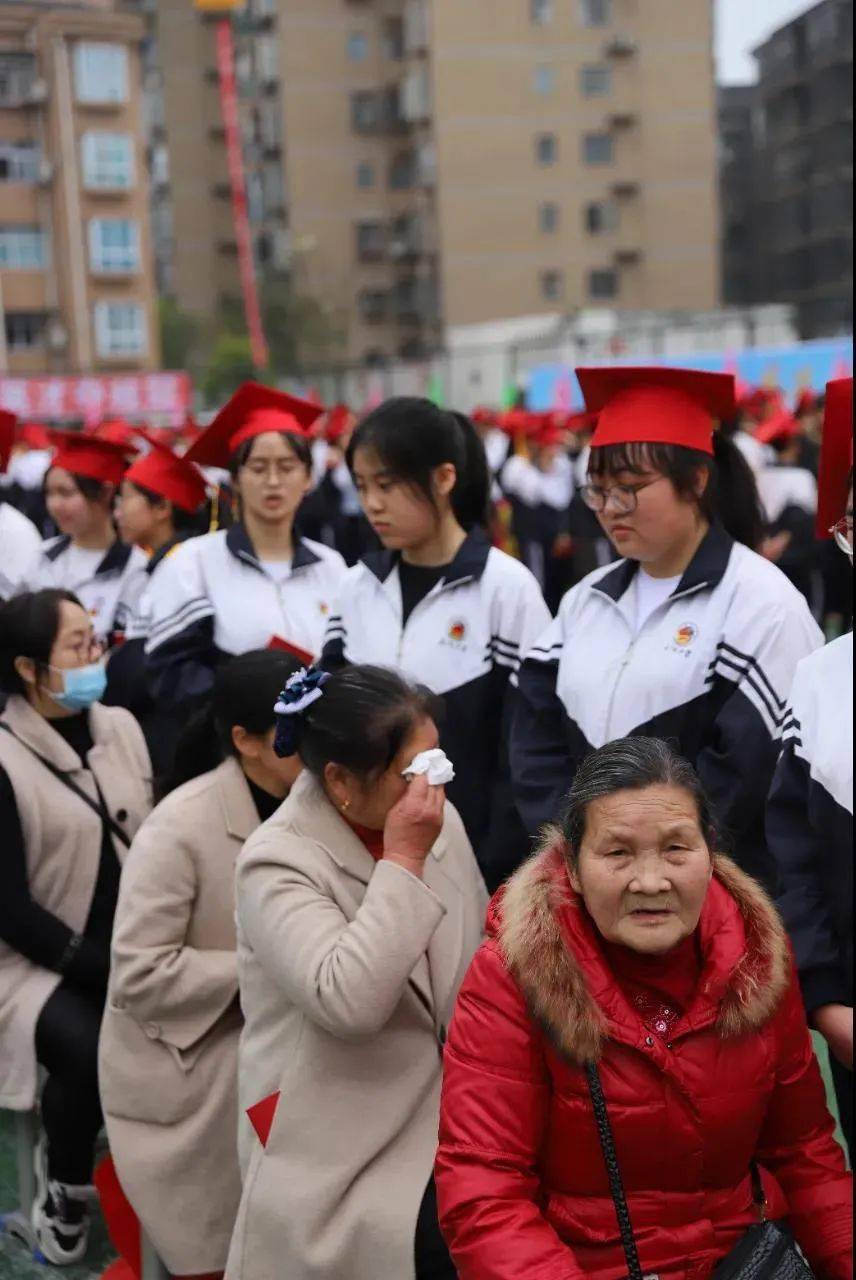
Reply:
x=435, y=764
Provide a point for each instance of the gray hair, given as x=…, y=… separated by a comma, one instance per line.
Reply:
x=631, y=764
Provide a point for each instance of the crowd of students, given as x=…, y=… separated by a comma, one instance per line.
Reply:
x=284, y=705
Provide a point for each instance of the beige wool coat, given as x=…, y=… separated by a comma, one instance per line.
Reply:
x=169, y=1041
x=63, y=841
x=349, y=972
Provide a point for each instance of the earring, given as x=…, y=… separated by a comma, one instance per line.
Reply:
x=346, y=806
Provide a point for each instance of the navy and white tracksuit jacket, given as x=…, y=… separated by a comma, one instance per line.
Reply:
x=109, y=595
x=709, y=671
x=464, y=640
x=810, y=824
x=212, y=599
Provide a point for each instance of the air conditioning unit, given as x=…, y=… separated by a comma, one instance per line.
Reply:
x=37, y=93
x=398, y=248
x=46, y=173
x=621, y=47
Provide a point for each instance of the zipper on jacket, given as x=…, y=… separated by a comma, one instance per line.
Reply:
x=625, y=663
x=435, y=591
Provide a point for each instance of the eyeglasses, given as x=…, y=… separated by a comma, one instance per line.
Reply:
x=624, y=497
x=842, y=532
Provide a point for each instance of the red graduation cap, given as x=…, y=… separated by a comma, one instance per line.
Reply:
x=8, y=423
x=252, y=411
x=806, y=401
x=657, y=406
x=163, y=472
x=482, y=416
x=116, y=430
x=34, y=435
x=836, y=455
x=339, y=420
x=783, y=426
x=87, y=456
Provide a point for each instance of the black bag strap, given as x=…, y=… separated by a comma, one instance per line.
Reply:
x=616, y=1186
x=99, y=807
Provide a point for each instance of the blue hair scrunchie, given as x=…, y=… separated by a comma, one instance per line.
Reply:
x=301, y=690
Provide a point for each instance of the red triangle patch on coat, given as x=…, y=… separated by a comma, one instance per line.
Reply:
x=262, y=1116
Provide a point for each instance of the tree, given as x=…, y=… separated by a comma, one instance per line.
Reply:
x=300, y=332
x=231, y=364
x=179, y=335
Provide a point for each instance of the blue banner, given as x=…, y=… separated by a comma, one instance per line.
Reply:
x=804, y=364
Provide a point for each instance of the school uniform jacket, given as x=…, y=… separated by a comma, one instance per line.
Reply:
x=709, y=671
x=20, y=545
x=108, y=595
x=213, y=599
x=463, y=640
x=810, y=824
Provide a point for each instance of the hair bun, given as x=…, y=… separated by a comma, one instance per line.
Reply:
x=301, y=690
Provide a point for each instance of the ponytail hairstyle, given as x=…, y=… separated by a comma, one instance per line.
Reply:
x=731, y=496
x=412, y=437
x=360, y=718
x=244, y=692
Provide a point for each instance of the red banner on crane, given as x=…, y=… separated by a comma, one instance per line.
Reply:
x=237, y=181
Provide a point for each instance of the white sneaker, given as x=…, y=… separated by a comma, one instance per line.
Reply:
x=60, y=1217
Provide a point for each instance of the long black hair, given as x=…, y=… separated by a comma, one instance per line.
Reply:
x=731, y=495
x=244, y=693
x=188, y=523
x=361, y=721
x=412, y=437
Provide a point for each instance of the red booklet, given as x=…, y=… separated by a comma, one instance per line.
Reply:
x=302, y=655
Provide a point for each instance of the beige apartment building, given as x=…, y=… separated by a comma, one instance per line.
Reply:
x=421, y=164
x=76, y=277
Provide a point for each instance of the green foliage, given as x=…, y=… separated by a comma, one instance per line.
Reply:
x=230, y=364
x=179, y=335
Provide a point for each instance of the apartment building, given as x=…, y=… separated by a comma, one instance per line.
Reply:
x=76, y=285
x=420, y=164
x=804, y=151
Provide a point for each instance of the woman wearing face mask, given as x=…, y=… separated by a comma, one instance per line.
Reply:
x=87, y=556
x=74, y=787
x=258, y=584
x=169, y=1043
x=629, y=957
x=810, y=809
x=440, y=603
x=372, y=881
x=692, y=637
x=161, y=505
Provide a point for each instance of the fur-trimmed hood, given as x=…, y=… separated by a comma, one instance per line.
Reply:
x=549, y=946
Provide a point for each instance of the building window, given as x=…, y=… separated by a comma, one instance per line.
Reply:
x=372, y=305
x=358, y=46
x=541, y=12
x=19, y=161
x=365, y=111
x=371, y=241
x=548, y=217
x=393, y=39
x=602, y=284
x=114, y=246
x=100, y=73
x=595, y=13
x=404, y=171
x=23, y=248
x=547, y=148
x=545, y=80
x=601, y=216
x=108, y=161
x=17, y=74
x=553, y=285
x=596, y=82
x=120, y=329
x=597, y=148
x=25, y=330
x=365, y=176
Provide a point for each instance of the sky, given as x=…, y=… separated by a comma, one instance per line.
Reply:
x=744, y=24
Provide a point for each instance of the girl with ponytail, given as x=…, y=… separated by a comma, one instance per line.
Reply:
x=169, y=1042
x=439, y=603
x=692, y=636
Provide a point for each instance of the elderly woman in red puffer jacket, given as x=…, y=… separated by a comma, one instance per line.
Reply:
x=625, y=942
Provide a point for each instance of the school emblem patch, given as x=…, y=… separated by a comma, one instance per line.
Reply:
x=458, y=632
x=323, y=608
x=685, y=635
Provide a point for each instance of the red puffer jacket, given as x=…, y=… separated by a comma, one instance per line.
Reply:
x=522, y=1185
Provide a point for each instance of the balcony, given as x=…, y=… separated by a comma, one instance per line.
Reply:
x=371, y=242
x=373, y=306
x=416, y=106
x=415, y=28
x=411, y=237
x=415, y=300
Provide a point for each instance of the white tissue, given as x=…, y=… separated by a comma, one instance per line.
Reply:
x=435, y=764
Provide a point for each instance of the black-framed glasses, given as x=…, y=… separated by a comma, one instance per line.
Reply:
x=842, y=532
x=624, y=497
